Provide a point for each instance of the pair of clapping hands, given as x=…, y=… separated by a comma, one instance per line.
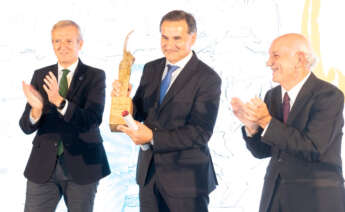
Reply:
x=35, y=99
x=252, y=114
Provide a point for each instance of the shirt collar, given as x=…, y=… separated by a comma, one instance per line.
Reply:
x=182, y=63
x=71, y=68
x=293, y=92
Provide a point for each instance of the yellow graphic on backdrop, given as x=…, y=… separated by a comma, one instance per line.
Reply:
x=310, y=29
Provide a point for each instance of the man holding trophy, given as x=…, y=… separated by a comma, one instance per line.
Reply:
x=177, y=101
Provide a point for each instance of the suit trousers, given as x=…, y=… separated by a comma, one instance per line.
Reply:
x=154, y=199
x=45, y=197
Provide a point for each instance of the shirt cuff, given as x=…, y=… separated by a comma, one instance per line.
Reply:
x=248, y=134
x=144, y=147
x=32, y=120
x=64, y=109
x=264, y=131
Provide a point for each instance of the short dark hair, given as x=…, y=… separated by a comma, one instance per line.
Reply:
x=178, y=15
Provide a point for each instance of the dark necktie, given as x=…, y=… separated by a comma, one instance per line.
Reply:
x=286, y=107
x=166, y=82
x=63, y=88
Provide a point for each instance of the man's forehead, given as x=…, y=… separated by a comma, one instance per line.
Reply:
x=69, y=28
x=181, y=25
x=279, y=46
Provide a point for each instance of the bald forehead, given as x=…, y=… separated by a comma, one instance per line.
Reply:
x=291, y=42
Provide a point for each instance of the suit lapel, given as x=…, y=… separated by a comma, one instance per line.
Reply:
x=303, y=96
x=182, y=79
x=55, y=71
x=157, y=79
x=78, y=78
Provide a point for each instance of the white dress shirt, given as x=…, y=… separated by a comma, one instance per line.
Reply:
x=181, y=64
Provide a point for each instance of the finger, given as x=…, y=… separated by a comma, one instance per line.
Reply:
x=250, y=118
x=26, y=91
x=47, y=83
x=249, y=113
x=52, y=76
x=116, y=84
x=116, y=88
x=49, y=79
x=236, y=100
x=113, y=93
x=46, y=89
x=250, y=106
x=254, y=102
x=258, y=101
x=24, y=86
x=123, y=128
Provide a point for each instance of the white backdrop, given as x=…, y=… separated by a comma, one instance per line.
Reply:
x=233, y=38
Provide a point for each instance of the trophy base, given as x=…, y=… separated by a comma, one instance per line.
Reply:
x=118, y=105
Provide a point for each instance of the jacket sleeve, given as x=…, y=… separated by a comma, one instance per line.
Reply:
x=322, y=127
x=89, y=115
x=256, y=146
x=24, y=122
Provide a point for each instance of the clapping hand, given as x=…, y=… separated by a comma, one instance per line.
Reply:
x=257, y=112
x=34, y=98
x=241, y=112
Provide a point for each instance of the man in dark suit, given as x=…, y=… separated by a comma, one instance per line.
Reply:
x=299, y=125
x=65, y=107
x=176, y=173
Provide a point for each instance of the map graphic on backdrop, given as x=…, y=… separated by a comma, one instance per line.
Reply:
x=233, y=38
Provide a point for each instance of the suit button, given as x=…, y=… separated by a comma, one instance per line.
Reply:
x=280, y=160
x=55, y=144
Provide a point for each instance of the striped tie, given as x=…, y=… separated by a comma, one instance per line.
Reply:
x=166, y=82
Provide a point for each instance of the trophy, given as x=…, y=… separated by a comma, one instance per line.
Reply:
x=122, y=102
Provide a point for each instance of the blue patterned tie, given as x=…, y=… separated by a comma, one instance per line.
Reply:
x=166, y=82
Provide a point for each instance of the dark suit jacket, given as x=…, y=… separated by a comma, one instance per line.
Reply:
x=84, y=154
x=305, y=152
x=182, y=126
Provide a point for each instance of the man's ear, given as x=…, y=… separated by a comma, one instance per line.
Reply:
x=302, y=61
x=193, y=38
x=81, y=43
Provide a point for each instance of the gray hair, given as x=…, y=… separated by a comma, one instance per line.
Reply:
x=178, y=15
x=311, y=59
x=65, y=23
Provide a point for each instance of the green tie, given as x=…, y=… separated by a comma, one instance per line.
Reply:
x=63, y=88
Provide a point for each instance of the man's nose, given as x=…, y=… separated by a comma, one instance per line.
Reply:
x=64, y=44
x=170, y=44
x=269, y=62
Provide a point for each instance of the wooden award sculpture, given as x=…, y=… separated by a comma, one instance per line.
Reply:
x=122, y=102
